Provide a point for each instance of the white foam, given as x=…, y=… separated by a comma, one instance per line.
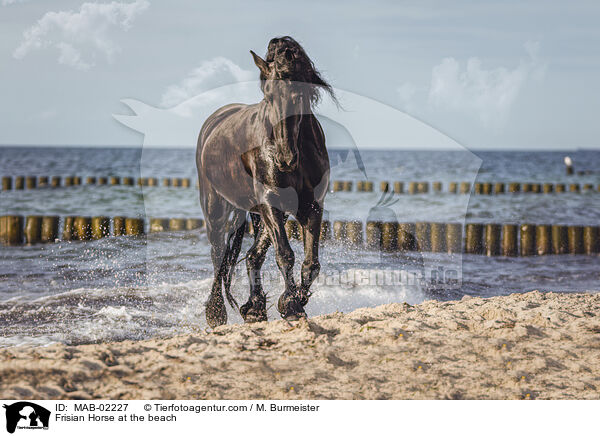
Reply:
x=167, y=309
x=355, y=288
x=28, y=341
x=115, y=314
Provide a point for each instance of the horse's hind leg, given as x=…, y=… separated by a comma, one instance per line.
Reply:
x=234, y=245
x=216, y=214
x=255, y=309
x=216, y=314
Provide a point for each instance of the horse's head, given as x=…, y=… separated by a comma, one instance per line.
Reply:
x=286, y=103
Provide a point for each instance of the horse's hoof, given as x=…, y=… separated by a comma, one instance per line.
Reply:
x=294, y=316
x=255, y=317
x=290, y=308
x=304, y=300
x=216, y=314
x=254, y=312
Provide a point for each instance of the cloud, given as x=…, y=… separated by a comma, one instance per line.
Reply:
x=12, y=2
x=209, y=75
x=79, y=36
x=487, y=94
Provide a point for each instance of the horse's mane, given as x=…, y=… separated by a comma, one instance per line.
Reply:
x=292, y=62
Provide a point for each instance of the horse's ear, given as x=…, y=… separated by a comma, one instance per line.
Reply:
x=262, y=65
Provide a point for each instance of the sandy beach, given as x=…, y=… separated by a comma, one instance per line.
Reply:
x=522, y=346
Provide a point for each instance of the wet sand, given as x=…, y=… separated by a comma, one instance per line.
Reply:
x=522, y=346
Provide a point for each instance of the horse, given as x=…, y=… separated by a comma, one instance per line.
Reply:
x=267, y=160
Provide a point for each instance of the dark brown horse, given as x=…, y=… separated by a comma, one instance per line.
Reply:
x=268, y=159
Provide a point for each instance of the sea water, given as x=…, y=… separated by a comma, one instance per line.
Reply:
x=134, y=288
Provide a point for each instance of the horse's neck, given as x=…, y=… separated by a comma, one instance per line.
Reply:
x=262, y=118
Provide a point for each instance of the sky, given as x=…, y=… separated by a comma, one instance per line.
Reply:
x=490, y=75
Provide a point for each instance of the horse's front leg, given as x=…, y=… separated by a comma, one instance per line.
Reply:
x=255, y=310
x=311, y=232
x=289, y=304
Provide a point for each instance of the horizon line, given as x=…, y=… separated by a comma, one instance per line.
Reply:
x=184, y=147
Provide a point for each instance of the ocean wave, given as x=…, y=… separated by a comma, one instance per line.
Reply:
x=90, y=315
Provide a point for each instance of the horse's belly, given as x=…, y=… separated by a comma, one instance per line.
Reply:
x=226, y=175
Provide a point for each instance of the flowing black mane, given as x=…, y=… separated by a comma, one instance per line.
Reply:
x=291, y=62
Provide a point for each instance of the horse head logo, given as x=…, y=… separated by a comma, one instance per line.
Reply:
x=26, y=414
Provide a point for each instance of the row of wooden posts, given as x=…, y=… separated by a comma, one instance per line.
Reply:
x=33, y=182
x=34, y=229
x=473, y=238
x=488, y=188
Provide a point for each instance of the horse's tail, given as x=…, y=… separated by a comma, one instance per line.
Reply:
x=232, y=251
